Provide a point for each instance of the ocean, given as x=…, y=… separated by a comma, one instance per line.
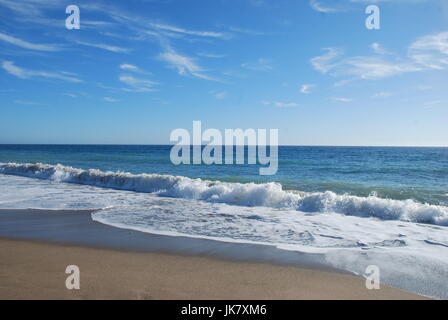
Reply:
x=355, y=206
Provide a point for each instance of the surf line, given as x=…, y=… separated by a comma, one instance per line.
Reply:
x=208, y=147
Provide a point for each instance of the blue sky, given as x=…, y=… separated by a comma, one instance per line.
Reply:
x=136, y=70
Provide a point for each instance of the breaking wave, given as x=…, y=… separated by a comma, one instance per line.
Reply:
x=241, y=194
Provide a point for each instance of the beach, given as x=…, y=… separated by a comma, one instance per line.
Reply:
x=36, y=270
x=38, y=245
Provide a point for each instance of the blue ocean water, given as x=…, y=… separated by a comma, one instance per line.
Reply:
x=389, y=172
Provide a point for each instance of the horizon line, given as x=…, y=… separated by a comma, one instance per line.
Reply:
x=245, y=145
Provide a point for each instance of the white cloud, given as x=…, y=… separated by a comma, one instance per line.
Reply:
x=27, y=45
x=22, y=73
x=137, y=84
x=378, y=48
x=334, y=6
x=129, y=67
x=108, y=99
x=286, y=104
x=184, y=65
x=220, y=95
x=324, y=63
x=306, y=88
x=373, y=67
x=362, y=67
x=281, y=104
x=431, y=51
x=211, y=34
x=211, y=55
x=317, y=6
x=76, y=95
x=104, y=47
x=343, y=82
x=30, y=10
x=382, y=95
x=427, y=52
x=342, y=99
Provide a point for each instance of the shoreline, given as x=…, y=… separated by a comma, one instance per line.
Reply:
x=124, y=264
x=76, y=227
x=120, y=274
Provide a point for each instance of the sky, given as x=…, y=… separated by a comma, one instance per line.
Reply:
x=137, y=70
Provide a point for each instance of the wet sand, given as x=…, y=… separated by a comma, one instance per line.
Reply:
x=35, y=270
x=36, y=246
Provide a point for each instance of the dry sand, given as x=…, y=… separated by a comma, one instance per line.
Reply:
x=36, y=270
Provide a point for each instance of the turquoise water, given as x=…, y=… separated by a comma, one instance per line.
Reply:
x=396, y=173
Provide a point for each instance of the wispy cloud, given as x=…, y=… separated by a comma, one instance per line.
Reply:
x=362, y=67
x=431, y=51
x=286, y=104
x=104, y=47
x=129, y=67
x=137, y=84
x=170, y=28
x=339, y=99
x=281, y=104
x=382, y=95
x=219, y=95
x=184, y=65
x=29, y=8
x=306, y=88
x=77, y=95
x=318, y=6
x=211, y=55
x=374, y=68
x=112, y=100
x=325, y=63
x=132, y=68
x=27, y=45
x=378, y=48
x=22, y=73
x=427, y=52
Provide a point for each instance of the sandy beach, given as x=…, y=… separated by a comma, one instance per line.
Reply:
x=36, y=270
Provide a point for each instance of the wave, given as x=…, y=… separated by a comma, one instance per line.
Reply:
x=241, y=194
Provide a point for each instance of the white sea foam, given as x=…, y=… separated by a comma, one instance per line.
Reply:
x=248, y=194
